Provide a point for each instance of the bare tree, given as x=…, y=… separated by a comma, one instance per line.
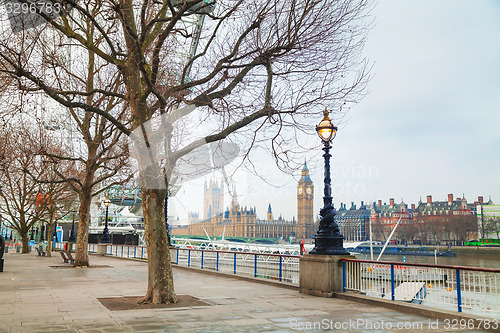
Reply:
x=463, y=225
x=95, y=151
x=491, y=227
x=257, y=72
x=421, y=228
x=24, y=199
x=59, y=195
x=407, y=232
x=380, y=231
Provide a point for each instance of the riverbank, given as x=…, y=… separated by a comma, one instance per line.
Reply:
x=467, y=249
x=465, y=257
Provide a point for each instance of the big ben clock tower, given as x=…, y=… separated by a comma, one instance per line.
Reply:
x=305, y=214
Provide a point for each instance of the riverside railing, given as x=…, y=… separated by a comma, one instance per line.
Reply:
x=200, y=244
x=465, y=289
x=122, y=251
x=272, y=266
x=259, y=265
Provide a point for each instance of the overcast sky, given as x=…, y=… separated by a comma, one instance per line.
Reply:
x=429, y=125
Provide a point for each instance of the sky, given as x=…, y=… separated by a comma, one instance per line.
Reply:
x=429, y=125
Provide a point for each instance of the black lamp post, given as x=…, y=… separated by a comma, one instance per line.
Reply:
x=1, y=233
x=42, y=231
x=328, y=239
x=54, y=234
x=105, y=234
x=72, y=237
x=166, y=218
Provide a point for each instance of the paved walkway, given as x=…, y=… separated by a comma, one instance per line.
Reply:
x=37, y=298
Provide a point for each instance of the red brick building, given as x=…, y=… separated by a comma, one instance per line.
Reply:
x=437, y=222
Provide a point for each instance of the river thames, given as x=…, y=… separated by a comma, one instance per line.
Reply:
x=472, y=259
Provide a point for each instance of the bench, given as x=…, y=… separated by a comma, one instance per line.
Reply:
x=64, y=256
x=40, y=252
x=70, y=257
x=67, y=257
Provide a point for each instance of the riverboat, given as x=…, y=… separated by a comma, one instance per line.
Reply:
x=403, y=250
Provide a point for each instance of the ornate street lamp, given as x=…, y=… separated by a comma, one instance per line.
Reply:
x=328, y=239
x=72, y=237
x=2, y=238
x=42, y=231
x=105, y=234
x=166, y=218
x=54, y=234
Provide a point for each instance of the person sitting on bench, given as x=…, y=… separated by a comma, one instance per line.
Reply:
x=40, y=251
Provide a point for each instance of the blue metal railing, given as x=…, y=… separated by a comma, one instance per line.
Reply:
x=258, y=265
x=475, y=290
x=459, y=291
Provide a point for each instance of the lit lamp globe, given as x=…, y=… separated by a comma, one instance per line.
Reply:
x=326, y=130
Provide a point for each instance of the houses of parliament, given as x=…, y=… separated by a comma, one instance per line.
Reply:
x=239, y=221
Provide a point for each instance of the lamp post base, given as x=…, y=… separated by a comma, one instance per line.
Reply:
x=329, y=245
x=105, y=239
x=101, y=249
x=321, y=275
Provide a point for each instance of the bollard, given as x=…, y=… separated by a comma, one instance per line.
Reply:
x=18, y=249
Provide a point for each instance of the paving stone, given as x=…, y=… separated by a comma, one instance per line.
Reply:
x=268, y=314
x=5, y=328
x=246, y=322
x=117, y=329
x=152, y=327
x=288, y=319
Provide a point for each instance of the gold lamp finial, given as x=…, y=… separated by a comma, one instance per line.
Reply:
x=325, y=114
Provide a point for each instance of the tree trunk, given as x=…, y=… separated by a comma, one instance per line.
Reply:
x=25, y=240
x=81, y=255
x=48, y=251
x=160, y=277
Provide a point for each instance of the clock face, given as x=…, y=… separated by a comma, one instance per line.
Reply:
x=300, y=190
x=309, y=191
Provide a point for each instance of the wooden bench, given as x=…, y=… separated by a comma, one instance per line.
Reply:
x=67, y=257
x=40, y=252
